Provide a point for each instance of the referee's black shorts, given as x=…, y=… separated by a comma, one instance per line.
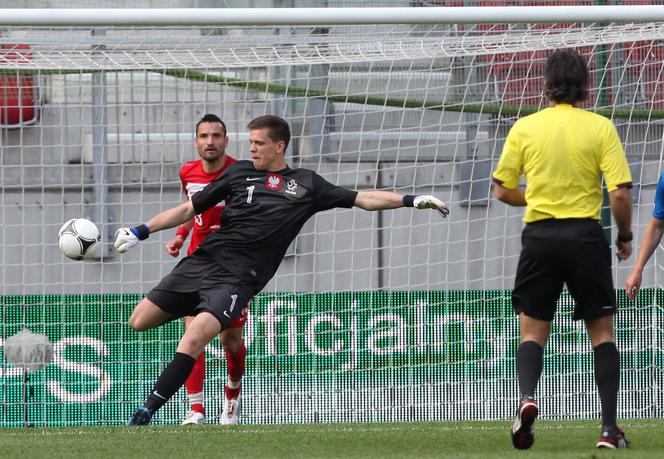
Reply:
x=556, y=252
x=197, y=284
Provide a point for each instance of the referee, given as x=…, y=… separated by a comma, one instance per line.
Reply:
x=266, y=205
x=563, y=151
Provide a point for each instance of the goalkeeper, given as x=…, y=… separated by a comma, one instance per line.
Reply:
x=563, y=152
x=266, y=205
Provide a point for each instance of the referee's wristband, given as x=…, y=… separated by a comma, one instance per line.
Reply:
x=625, y=237
x=141, y=231
x=408, y=200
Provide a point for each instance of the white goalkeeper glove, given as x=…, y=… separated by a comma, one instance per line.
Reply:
x=426, y=202
x=127, y=238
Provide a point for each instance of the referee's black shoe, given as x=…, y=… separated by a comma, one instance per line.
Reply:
x=142, y=416
x=522, y=429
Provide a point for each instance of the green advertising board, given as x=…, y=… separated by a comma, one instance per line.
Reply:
x=326, y=357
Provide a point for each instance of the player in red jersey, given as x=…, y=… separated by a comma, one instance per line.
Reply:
x=211, y=142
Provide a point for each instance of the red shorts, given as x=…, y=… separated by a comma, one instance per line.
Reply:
x=239, y=321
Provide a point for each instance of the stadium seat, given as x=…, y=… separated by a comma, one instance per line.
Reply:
x=19, y=104
x=644, y=61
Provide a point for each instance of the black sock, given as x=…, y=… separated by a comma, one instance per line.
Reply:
x=607, y=377
x=529, y=364
x=170, y=380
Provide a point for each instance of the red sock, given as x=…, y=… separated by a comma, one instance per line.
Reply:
x=232, y=393
x=236, y=363
x=235, y=369
x=195, y=380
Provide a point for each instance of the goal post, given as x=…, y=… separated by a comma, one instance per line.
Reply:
x=385, y=316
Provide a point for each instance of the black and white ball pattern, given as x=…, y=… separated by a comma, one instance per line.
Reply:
x=79, y=239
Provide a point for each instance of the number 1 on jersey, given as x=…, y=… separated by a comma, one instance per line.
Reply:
x=250, y=193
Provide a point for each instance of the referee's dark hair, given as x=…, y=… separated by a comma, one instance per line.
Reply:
x=566, y=77
x=210, y=118
x=277, y=127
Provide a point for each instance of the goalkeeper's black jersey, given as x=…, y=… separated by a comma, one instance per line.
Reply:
x=264, y=212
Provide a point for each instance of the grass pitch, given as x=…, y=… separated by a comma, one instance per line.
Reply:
x=553, y=439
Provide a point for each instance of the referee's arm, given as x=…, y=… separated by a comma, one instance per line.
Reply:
x=512, y=196
x=621, y=207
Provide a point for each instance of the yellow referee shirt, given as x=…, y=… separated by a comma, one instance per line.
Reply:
x=562, y=151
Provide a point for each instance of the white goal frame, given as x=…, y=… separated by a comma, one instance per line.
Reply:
x=312, y=395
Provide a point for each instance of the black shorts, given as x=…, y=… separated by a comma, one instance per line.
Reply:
x=571, y=251
x=197, y=284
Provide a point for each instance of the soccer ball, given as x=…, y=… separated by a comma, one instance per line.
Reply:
x=79, y=239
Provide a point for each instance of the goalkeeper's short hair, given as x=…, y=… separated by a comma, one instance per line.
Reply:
x=278, y=128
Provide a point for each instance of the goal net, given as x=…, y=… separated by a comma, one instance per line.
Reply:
x=373, y=316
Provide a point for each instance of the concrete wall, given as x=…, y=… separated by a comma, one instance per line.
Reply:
x=47, y=178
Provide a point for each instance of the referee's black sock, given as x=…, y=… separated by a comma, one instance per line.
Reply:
x=529, y=364
x=607, y=376
x=170, y=380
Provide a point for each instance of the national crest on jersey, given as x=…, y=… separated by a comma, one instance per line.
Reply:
x=291, y=187
x=273, y=182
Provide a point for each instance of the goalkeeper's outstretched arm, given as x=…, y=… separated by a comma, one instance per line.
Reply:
x=172, y=217
x=379, y=200
x=126, y=238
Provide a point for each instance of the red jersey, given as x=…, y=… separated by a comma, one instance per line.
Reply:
x=194, y=179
